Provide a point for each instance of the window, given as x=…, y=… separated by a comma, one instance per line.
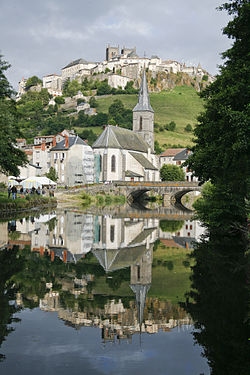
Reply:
x=186, y=226
x=191, y=227
x=113, y=163
x=140, y=123
x=100, y=160
x=112, y=233
x=138, y=273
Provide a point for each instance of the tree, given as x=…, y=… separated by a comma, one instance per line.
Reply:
x=10, y=157
x=158, y=149
x=171, y=126
x=188, y=128
x=222, y=135
x=52, y=175
x=171, y=172
x=59, y=100
x=93, y=102
x=33, y=81
x=104, y=88
x=171, y=225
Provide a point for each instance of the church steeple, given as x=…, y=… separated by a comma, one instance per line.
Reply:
x=143, y=114
x=143, y=99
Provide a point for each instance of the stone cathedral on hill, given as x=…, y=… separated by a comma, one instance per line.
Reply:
x=128, y=155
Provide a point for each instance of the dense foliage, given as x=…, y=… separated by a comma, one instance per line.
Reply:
x=10, y=157
x=169, y=172
x=222, y=136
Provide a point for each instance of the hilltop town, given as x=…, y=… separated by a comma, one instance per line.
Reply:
x=122, y=66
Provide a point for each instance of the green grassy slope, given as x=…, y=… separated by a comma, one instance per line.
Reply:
x=182, y=105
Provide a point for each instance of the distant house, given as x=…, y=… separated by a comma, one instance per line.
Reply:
x=177, y=156
x=73, y=160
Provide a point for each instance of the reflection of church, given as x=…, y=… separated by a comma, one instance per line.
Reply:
x=128, y=243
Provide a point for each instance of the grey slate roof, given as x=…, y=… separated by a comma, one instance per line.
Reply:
x=75, y=62
x=116, y=137
x=115, y=259
x=72, y=141
x=129, y=173
x=143, y=99
x=143, y=161
x=183, y=155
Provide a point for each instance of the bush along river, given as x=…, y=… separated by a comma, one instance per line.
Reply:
x=121, y=292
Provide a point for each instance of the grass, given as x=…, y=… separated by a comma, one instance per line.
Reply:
x=23, y=202
x=181, y=105
x=167, y=283
x=101, y=200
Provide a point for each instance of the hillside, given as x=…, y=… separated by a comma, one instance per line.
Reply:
x=181, y=105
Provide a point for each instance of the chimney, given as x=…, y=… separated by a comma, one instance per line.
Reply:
x=54, y=141
x=43, y=146
x=66, y=141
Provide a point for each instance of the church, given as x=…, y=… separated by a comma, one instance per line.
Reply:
x=128, y=155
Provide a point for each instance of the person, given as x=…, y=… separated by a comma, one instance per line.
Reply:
x=9, y=191
x=33, y=190
x=13, y=192
x=21, y=190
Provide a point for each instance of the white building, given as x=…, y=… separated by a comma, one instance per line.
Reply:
x=73, y=160
x=129, y=154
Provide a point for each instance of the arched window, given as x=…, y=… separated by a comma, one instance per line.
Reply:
x=100, y=161
x=112, y=233
x=140, y=123
x=113, y=163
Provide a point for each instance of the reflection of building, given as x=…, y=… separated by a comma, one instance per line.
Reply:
x=72, y=236
x=185, y=236
x=128, y=243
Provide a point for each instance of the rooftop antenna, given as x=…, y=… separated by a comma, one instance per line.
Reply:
x=144, y=53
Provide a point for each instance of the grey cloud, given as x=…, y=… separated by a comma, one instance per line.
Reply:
x=40, y=37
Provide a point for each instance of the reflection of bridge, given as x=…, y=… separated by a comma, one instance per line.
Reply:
x=172, y=189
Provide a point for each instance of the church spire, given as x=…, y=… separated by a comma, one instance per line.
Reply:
x=143, y=99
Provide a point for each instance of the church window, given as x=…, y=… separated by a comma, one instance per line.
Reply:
x=112, y=233
x=113, y=163
x=140, y=123
x=100, y=160
x=138, y=273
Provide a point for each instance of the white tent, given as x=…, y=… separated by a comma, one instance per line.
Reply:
x=12, y=181
x=37, y=182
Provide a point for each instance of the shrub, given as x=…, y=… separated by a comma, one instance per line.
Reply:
x=188, y=128
x=80, y=100
x=172, y=173
x=171, y=126
x=59, y=100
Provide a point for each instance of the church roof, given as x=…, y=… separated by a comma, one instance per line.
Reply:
x=141, y=291
x=143, y=99
x=143, y=161
x=75, y=62
x=116, y=137
x=115, y=259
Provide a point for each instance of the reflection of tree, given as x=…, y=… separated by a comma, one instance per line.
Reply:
x=8, y=267
x=219, y=287
x=171, y=225
x=114, y=279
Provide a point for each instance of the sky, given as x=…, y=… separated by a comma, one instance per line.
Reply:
x=39, y=37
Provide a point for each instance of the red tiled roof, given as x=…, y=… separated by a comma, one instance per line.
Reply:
x=171, y=151
x=169, y=243
x=28, y=152
x=20, y=139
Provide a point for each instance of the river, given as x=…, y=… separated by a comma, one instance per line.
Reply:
x=99, y=293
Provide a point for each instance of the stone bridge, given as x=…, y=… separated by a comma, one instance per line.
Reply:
x=170, y=190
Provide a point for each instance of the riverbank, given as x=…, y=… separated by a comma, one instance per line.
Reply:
x=24, y=202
